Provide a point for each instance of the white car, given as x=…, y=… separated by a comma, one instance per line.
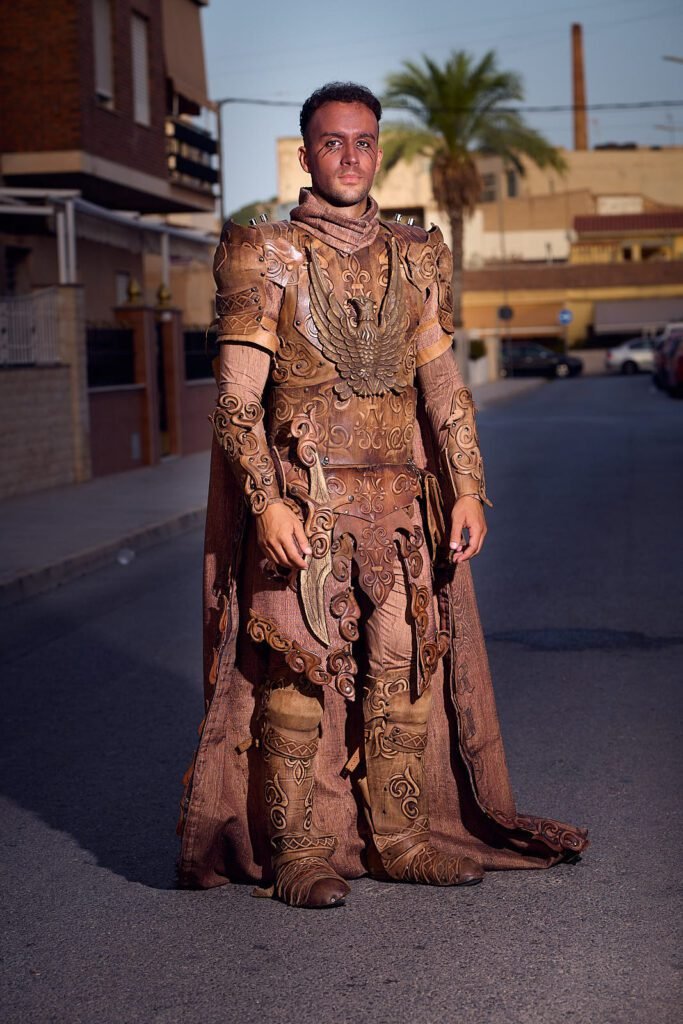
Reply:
x=634, y=356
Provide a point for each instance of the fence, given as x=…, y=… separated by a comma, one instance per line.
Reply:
x=111, y=356
x=29, y=334
x=200, y=349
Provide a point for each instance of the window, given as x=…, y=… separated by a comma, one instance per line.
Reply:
x=122, y=282
x=488, y=194
x=140, y=56
x=104, y=62
x=511, y=179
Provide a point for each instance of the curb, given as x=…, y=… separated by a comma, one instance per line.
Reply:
x=519, y=387
x=38, y=581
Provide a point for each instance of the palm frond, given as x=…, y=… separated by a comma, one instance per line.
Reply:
x=461, y=108
x=405, y=141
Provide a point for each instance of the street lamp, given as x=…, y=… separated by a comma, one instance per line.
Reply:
x=219, y=104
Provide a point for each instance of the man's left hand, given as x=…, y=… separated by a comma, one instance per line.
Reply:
x=468, y=513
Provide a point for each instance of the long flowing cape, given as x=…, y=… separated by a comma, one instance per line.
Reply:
x=472, y=809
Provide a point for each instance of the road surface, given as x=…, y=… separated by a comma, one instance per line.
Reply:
x=580, y=594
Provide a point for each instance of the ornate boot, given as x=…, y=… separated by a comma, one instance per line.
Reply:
x=289, y=742
x=395, y=743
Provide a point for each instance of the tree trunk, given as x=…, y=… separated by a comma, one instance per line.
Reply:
x=462, y=341
x=456, y=220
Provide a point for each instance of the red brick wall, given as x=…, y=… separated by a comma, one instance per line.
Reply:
x=47, y=81
x=40, y=52
x=115, y=416
x=113, y=134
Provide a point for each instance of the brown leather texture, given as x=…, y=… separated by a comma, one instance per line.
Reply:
x=357, y=450
x=350, y=433
x=472, y=809
x=236, y=420
x=394, y=786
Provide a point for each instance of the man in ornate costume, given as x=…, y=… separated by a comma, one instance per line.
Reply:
x=346, y=499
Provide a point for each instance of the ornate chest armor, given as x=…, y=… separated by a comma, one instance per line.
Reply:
x=342, y=407
x=346, y=332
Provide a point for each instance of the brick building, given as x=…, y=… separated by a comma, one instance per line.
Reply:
x=98, y=96
x=106, y=130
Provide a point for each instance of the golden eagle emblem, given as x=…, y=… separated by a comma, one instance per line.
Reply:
x=365, y=348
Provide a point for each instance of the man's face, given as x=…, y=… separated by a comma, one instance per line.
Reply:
x=341, y=153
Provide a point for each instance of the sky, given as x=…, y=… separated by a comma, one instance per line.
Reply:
x=283, y=51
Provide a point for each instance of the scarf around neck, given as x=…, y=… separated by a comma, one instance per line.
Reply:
x=345, y=234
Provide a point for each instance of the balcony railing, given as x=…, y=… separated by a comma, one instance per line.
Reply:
x=29, y=329
x=191, y=154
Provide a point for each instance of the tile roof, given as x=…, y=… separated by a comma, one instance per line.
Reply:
x=607, y=224
x=573, y=275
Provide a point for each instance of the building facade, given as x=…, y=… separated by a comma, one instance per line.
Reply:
x=99, y=96
x=106, y=134
x=605, y=233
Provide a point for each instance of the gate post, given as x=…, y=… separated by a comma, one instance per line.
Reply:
x=72, y=351
x=142, y=322
x=171, y=332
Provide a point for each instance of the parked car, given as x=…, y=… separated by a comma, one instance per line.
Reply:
x=531, y=359
x=634, y=356
x=673, y=370
x=665, y=344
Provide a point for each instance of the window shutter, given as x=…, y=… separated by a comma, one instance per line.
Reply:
x=141, y=111
x=104, y=67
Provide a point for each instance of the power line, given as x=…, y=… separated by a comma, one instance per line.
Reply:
x=555, y=108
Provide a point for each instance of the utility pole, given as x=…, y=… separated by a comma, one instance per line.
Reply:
x=671, y=127
x=219, y=104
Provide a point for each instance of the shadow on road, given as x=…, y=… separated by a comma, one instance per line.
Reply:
x=96, y=737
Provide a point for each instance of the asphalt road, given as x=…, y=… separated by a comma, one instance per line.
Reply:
x=580, y=593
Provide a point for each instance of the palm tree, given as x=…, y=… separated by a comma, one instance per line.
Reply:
x=460, y=110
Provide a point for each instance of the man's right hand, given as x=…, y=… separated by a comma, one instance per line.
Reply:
x=281, y=536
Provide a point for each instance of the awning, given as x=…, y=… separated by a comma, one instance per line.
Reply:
x=527, y=318
x=184, y=50
x=636, y=315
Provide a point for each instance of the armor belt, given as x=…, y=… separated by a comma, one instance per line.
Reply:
x=356, y=431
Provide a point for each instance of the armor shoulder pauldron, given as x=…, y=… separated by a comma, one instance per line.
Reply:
x=430, y=265
x=251, y=267
x=405, y=234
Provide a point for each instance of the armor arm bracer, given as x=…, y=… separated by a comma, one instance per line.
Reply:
x=238, y=423
x=431, y=340
x=450, y=410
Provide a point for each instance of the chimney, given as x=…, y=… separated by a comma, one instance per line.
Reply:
x=579, y=90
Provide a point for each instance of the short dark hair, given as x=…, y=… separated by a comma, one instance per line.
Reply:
x=338, y=92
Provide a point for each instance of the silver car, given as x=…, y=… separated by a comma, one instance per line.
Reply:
x=634, y=356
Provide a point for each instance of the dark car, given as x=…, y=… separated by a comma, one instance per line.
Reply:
x=665, y=346
x=673, y=380
x=530, y=358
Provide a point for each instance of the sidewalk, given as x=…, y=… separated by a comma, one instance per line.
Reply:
x=54, y=536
